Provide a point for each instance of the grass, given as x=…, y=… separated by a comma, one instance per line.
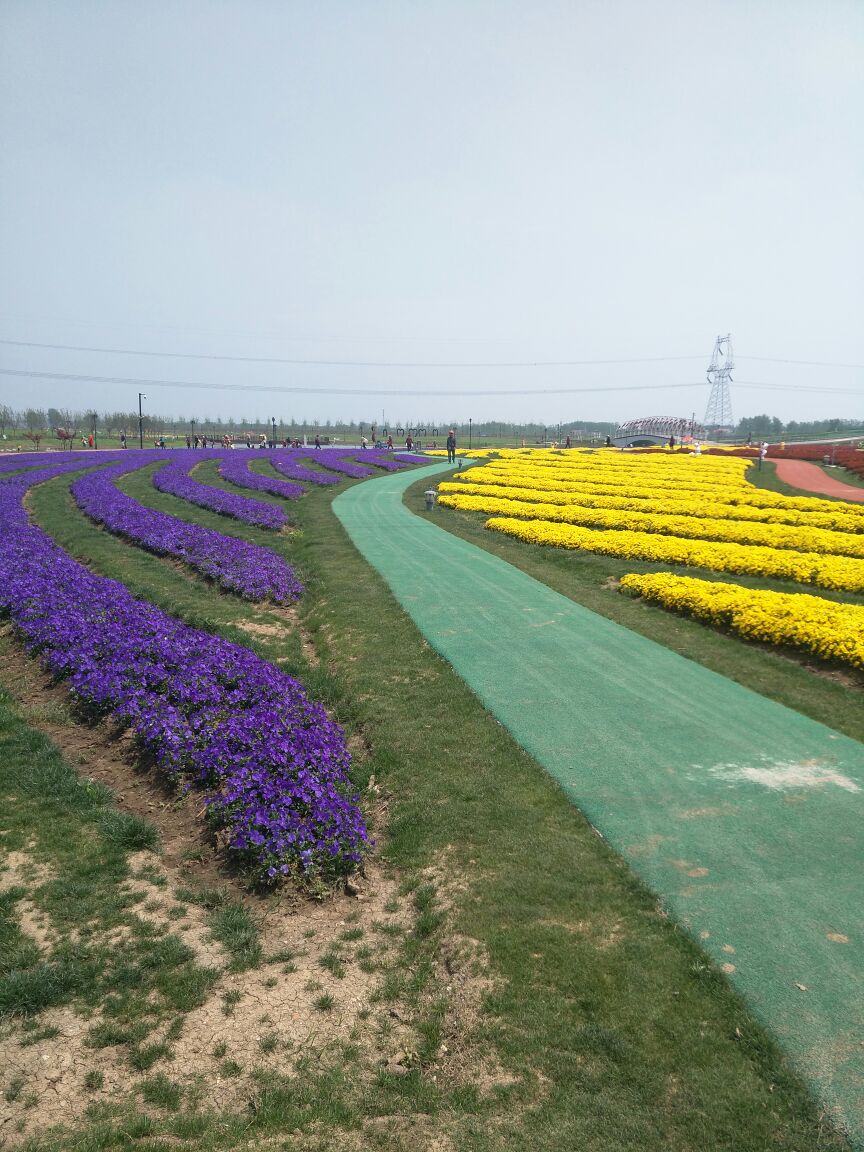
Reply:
x=162, y=1093
x=237, y=932
x=636, y=1044
x=333, y=962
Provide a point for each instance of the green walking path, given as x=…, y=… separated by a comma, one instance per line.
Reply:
x=744, y=816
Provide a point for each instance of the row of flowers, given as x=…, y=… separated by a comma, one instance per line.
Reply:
x=834, y=572
x=173, y=477
x=275, y=768
x=647, y=484
x=824, y=628
x=720, y=503
x=783, y=536
x=235, y=468
x=235, y=565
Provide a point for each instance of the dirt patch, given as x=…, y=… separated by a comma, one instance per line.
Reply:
x=315, y=994
x=287, y=623
x=601, y=936
x=309, y=998
x=19, y=869
x=255, y=629
x=464, y=978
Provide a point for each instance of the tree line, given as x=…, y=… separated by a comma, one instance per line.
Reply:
x=36, y=424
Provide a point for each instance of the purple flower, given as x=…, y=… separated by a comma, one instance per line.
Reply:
x=173, y=477
x=273, y=766
x=252, y=571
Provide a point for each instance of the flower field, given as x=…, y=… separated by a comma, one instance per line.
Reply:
x=211, y=714
x=172, y=998
x=679, y=509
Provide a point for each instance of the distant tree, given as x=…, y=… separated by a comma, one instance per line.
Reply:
x=6, y=418
x=35, y=420
x=755, y=427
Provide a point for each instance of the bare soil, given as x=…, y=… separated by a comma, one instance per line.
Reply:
x=268, y=1017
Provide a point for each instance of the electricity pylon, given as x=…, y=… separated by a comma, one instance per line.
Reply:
x=718, y=414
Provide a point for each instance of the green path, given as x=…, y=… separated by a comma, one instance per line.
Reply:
x=744, y=816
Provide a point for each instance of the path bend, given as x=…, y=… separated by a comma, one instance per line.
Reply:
x=810, y=478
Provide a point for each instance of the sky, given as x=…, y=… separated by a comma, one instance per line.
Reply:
x=424, y=212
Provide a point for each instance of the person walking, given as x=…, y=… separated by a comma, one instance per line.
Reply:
x=317, y=441
x=451, y=446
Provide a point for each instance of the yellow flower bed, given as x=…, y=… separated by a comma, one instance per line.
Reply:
x=650, y=502
x=801, y=539
x=649, y=486
x=837, y=572
x=826, y=629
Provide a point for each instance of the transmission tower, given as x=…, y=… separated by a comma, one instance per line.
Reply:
x=718, y=414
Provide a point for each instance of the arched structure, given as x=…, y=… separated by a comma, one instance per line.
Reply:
x=655, y=430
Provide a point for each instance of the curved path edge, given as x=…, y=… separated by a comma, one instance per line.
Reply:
x=743, y=816
x=810, y=478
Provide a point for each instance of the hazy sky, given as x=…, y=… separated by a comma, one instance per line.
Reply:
x=461, y=183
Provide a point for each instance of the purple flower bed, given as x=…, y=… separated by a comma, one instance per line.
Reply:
x=285, y=461
x=389, y=463
x=235, y=468
x=273, y=765
x=361, y=463
x=65, y=462
x=344, y=465
x=173, y=477
x=252, y=571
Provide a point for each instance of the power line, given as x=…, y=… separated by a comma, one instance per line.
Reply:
x=808, y=363
x=402, y=363
x=373, y=390
x=344, y=363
